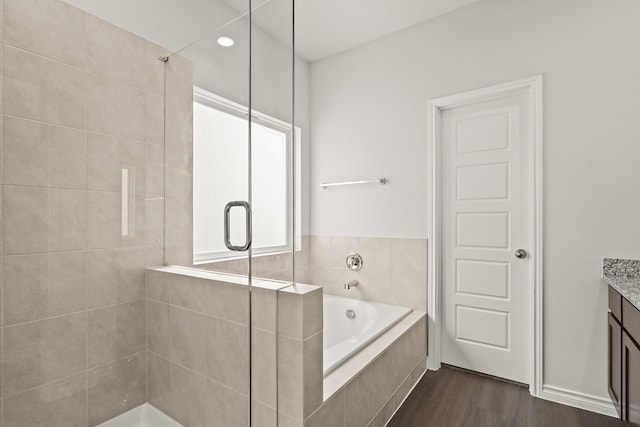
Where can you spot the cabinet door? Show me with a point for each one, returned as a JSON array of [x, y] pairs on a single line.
[[630, 380], [615, 362]]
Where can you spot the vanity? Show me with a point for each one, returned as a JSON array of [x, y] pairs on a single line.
[[623, 280]]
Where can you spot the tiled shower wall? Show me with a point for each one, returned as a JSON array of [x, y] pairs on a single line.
[[394, 271], [198, 359], [81, 100]]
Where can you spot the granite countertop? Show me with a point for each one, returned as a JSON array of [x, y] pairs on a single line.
[[624, 276]]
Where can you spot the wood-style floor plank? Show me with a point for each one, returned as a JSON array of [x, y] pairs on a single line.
[[455, 398]]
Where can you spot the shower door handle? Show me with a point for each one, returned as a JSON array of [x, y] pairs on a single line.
[[227, 226]]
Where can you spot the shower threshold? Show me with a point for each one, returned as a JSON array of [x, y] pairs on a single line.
[[144, 415]]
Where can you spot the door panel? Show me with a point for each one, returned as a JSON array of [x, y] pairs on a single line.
[[482, 278], [483, 230], [483, 182], [485, 176], [487, 327]]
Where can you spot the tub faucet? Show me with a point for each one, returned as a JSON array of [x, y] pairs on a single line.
[[351, 284]]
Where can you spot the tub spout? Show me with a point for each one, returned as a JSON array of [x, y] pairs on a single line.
[[351, 284]]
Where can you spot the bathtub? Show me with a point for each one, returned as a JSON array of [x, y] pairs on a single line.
[[343, 337]]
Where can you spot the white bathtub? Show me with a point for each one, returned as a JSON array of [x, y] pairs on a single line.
[[344, 337]]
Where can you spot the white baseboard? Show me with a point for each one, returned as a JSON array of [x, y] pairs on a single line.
[[578, 400]]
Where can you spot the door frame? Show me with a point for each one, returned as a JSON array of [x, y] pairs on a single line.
[[532, 87]]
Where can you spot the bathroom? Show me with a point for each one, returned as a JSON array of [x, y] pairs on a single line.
[[235, 213]]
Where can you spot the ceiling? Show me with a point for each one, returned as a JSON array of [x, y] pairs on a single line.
[[323, 27], [326, 27]]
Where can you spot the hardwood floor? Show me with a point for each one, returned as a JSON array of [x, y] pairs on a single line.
[[450, 397]]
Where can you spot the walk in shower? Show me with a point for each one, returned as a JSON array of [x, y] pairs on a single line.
[[157, 264], [150, 211]]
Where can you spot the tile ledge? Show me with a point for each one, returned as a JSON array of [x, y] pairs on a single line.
[[231, 279]]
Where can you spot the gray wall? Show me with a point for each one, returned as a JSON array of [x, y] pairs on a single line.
[[369, 112]]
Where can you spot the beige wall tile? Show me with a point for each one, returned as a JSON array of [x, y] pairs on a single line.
[[117, 388], [226, 407], [226, 301], [38, 352], [154, 222], [104, 220], [57, 96], [264, 364], [158, 328], [158, 286], [68, 230], [285, 420], [114, 108], [409, 291], [290, 315], [373, 286], [159, 382], [188, 397], [313, 375], [264, 308], [178, 217], [341, 247], [43, 285], [228, 353], [50, 28], [320, 251], [138, 233], [413, 344], [133, 157], [154, 170], [188, 292], [409, 256], [312, 313], [187, 343], [115, 332], [67, 158], [154, 119], [264, 416], [58, 404], [26, 220], [104, 165], [290, 377], [179, 103], [359, 400], [115, 53], [25, 152], [384, 379], [107, 156], [115, 276], [331, 414], [376, 254], [155, 68]]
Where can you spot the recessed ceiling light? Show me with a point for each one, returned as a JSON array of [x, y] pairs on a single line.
[[225, 41]]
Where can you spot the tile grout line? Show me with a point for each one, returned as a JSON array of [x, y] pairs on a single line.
[[86, 177], [76, 374], [2, 361], [82, 68]]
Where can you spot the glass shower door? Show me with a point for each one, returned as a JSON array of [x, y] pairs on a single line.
[[208, 225], [230, 209]]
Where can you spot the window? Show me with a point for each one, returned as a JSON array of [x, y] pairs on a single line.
[[220, 175]]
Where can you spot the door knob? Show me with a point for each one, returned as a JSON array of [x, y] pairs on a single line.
[[521, 253]]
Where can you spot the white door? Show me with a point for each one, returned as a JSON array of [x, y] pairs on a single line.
[[485, 180]]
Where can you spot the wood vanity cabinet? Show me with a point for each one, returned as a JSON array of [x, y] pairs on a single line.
[[624, 357]]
